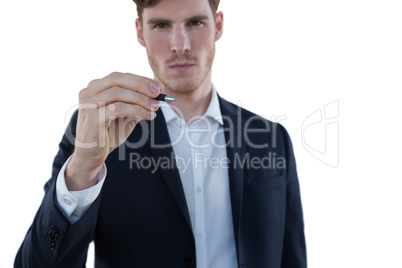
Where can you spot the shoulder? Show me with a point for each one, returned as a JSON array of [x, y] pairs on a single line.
[[249, 120]]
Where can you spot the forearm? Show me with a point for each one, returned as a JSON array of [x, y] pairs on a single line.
[[294, 249], [44, 248]]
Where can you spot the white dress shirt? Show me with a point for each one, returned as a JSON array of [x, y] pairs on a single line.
[[202, 162]]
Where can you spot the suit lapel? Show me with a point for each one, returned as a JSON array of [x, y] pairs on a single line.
[[161, 148], [235, 141]]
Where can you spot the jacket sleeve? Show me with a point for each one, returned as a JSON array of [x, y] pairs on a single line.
[[294, 248], [52, 241]]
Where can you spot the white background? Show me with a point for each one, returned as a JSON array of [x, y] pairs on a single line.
[[280, 59]]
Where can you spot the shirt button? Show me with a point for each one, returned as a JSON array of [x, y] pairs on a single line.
[[67, 201], [199, 236], [199, 189]]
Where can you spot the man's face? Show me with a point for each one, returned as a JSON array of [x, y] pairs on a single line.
[[179, 36]]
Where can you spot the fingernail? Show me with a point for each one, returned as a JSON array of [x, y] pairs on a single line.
[[160, 85], [152, 114], [154, 89], [154, 103]]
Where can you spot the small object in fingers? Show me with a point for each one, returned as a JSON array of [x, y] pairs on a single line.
[[163, 97]]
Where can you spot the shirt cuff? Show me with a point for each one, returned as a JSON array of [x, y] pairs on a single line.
[[75, 203]]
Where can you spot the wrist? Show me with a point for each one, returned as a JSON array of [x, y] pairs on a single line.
[[80, 176]]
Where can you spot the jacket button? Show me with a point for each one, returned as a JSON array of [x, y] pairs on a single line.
[[52, 236], [52, 245], [188, 262]]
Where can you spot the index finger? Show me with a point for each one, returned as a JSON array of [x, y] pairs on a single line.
[[144, 85]]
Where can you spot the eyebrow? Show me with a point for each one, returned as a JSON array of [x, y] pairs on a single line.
[[199, 17], [160, 20]]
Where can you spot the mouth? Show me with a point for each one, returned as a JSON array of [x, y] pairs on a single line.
[[181, 67]]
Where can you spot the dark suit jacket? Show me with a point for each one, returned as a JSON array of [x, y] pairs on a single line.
[[141, 219]]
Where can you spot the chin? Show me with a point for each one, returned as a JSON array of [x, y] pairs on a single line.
[[181, 87]]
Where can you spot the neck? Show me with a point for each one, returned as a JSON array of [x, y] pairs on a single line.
[[194, 104]]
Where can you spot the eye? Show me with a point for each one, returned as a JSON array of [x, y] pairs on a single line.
[[196, 23], [161, 26]]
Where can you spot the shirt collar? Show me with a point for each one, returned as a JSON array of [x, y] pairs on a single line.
[[213, 110]]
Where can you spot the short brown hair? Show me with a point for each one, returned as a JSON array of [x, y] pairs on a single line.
[[141, 4]]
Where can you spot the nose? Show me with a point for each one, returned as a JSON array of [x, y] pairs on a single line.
[[180, 40]]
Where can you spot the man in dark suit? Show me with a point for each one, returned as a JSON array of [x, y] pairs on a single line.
[[198, 183]]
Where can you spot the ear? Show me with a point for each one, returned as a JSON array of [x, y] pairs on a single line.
[[219, 25], [140, 34]]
